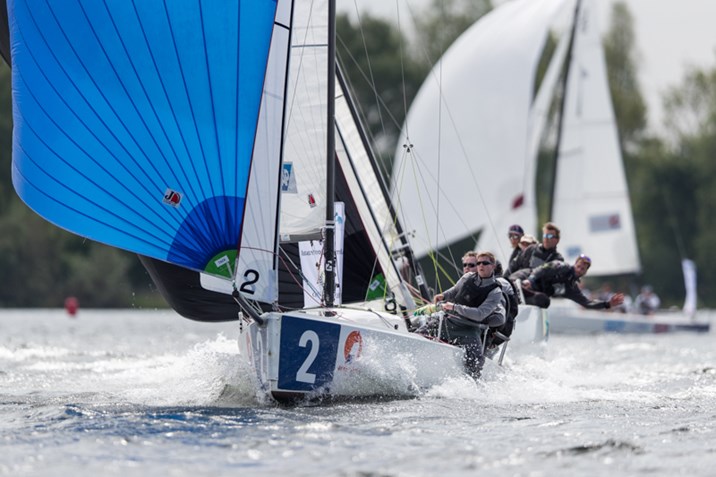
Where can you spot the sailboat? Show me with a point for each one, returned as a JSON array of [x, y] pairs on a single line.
[[493, 117], [212, 140], [591, 200]]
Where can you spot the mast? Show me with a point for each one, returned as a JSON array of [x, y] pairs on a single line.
[[329, 244], [560, 123]]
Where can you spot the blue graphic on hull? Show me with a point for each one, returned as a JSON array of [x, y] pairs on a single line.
[[307, 354]]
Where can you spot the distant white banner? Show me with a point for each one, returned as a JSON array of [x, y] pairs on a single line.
[[689, 269], [311, 252]]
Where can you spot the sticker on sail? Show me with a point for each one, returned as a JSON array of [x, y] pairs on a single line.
[[604, 223], [222, 261], [288, 180], [311, 200], [172, 197]]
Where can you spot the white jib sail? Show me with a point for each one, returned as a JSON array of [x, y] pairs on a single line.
[[591, 202]]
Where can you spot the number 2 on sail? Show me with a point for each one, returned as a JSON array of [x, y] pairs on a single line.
[[251, 276]]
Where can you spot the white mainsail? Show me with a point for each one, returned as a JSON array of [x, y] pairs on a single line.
[[591, 201], [469, 130], [303, 197]]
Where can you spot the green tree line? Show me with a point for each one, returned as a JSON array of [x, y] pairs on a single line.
[[671, 178]]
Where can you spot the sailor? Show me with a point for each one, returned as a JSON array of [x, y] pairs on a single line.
[[561, 279], [510, 302], [647, 302], [514, 234], [538, 254], [474, 303]]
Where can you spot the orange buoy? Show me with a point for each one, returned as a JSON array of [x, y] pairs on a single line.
[[71, 305]]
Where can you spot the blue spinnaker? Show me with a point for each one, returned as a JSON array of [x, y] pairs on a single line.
[[135, 121]]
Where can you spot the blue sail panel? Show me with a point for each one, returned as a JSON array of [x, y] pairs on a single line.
[[135, 121]]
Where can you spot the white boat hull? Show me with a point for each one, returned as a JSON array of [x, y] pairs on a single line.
[[532, 325], [352, 354], [569, 318], [355, 353]]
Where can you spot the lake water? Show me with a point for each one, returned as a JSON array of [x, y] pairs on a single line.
[[139, 393]]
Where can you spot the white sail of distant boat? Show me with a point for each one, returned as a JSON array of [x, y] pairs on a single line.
[[591, 201], [468, 169]]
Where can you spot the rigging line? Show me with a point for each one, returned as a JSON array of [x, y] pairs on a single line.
[[431, 249], [370, 68], [439, 165], [444, 105], [402, 69], [286, 260], [367, 79], [361, 117]]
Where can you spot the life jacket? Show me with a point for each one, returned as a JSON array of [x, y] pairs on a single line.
[[473, 295], [511, 310]]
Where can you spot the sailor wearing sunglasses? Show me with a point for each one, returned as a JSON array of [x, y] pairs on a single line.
[[474, 303], [538, 254]]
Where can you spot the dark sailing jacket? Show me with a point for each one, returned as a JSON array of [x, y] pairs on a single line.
[[532, 257], [513, 263], [478, 301], [559, 279]]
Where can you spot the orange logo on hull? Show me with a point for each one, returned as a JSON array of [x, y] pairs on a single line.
[[353, 346]]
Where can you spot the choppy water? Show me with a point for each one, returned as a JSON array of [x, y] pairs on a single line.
[[137, 393]]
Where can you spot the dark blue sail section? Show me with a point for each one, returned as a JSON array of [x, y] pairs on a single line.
[[135, 120]]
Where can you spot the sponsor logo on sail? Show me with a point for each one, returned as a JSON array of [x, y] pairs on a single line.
[[172, 197], [288, 179]]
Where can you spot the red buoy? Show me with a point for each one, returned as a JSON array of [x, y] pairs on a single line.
[[71, 305]]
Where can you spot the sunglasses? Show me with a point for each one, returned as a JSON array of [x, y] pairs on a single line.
[[484, 263], [514, 236], [469, 265], [551, 236]]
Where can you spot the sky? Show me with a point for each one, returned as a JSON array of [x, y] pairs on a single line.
[[672, 35]]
